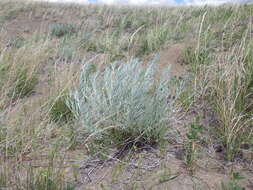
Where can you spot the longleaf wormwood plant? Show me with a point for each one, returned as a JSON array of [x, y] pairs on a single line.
[[124, 103]]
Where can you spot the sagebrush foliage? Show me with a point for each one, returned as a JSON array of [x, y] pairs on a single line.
[[126, 101]]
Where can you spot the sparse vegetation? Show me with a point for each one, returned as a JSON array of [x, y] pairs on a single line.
[[233, 183], [40, 179], [89, 92]]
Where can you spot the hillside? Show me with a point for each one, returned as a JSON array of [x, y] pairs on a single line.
[[125, 97]]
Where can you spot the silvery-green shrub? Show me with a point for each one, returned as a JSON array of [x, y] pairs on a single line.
[[124, 101]]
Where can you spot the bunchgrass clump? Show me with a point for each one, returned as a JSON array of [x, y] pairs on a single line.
[[229, 90], [124, 103], [4, 68], [19, 71], [17, 41], [20, 80], [153, 40], [60, 112], [60, 30], [195, 57], [23, 84]]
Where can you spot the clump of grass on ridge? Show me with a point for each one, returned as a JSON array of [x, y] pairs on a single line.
[[23, 84], [229, 88], [60, 30], [17, 41], [195, 57], [60, 112], [153, 40], [19, 71], [20, 80]]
